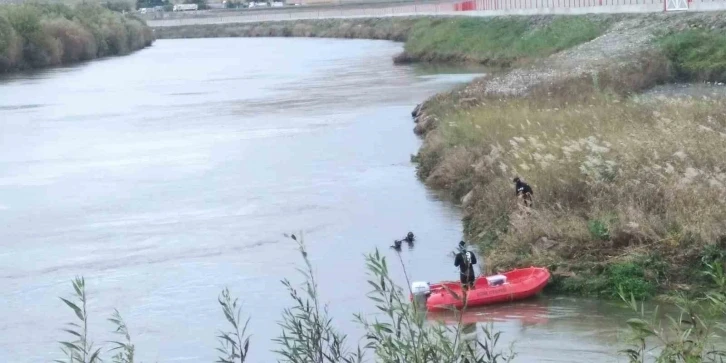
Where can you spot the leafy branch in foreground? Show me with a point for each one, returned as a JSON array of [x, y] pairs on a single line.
[[79, 350], [687, 338], [125, 348], [406, 336], [308, 335], [234, 344]]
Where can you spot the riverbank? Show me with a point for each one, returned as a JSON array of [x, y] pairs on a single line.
[[44, 35], [627, 192], [430, 39]]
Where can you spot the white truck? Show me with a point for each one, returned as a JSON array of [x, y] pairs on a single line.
[[185, 7]]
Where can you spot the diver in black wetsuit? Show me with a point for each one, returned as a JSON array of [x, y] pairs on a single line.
[[465, 261], [409, 237], [523, 189]]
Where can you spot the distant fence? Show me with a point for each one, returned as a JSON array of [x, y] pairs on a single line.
[[466, 7], [300, 14], [586, 6]]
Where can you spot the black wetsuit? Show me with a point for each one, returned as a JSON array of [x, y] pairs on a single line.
[[465, 261], [525, 190]]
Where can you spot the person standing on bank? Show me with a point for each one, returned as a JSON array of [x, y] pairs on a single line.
[[523, 189], [465, 261]]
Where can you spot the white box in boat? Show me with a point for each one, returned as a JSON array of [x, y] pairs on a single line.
[[420, 287], [496, 280]]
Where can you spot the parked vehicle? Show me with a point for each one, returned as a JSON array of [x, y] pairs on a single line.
[[185, 7]]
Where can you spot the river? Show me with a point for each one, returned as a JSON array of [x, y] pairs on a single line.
[[168, 174]]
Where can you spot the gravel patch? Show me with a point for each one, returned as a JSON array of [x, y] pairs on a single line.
[[621, 46]]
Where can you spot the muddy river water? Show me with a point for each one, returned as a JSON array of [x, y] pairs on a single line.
[[168, 174]]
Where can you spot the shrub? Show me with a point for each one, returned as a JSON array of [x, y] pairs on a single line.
[[119, 6], [693, 335], [308, 334], [10, 45], [235, 344], [697, 54], [77, 43], [598, 230], [631, 278], [39, 35]]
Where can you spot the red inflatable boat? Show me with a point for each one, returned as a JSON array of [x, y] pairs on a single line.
[[509, 286]]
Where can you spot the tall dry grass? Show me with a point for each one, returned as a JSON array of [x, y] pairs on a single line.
[[617, 179]]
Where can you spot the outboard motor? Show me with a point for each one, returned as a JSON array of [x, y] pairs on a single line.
[[421, 291]]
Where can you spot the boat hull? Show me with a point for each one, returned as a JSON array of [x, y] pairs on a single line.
[[521, 284]]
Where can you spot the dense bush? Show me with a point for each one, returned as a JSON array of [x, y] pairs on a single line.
[[41, 35], [697, 54]]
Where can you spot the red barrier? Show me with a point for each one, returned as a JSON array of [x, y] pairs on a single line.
[[495, 5], [468, 5]]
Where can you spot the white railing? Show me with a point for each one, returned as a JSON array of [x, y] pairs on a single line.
[[467, 7]]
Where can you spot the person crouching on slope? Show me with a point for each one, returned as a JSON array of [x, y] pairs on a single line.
[[524, 190]]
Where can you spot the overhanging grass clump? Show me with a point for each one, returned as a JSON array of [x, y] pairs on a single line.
[[499, 41], [41, 35], [697, 54]]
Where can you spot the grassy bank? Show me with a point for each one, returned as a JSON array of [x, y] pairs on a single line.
[[499, 41], [372, 28], [627, 191], [697, 54], [42, 35]]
